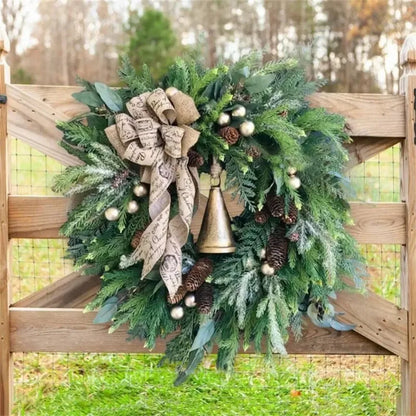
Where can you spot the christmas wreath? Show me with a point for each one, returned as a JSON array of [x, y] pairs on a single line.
[[143, 147]]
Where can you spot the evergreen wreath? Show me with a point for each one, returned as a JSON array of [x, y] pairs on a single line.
[[283, 159]]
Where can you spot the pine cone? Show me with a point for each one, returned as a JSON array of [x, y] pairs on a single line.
[[119, 179], [262, 216], [195, 159], [294, 237], [136, 239], [276, 205], [204, 297], [292, 215], [197, 275], [254, 152], [230, 135], [277, 246], [179, 295]]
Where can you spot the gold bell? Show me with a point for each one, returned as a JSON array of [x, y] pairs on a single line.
[[216, 236]]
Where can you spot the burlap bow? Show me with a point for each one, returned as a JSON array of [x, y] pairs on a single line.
[[149, 138]]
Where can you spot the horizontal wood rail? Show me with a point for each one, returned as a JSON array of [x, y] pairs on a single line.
[[41, 217], [70, 330], [376, 319], [33, 111], [72, 291]]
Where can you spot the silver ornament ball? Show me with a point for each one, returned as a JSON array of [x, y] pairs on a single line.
[[239, 111], [262, 253], [140, 190], [224, 119], [132, 207], [112, 214], [291, 171], [267, 270], [294, 182], [177, 312], [190, 301], [171, 91], [247, 128]]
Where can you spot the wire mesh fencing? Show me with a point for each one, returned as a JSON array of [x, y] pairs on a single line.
[[130, 384]]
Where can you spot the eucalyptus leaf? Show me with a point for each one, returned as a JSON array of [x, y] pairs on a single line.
[[196, 357], [158, 286], [204, 335], [258, 83], [106, 313], [110, 97], [89, 98], [236, 75]]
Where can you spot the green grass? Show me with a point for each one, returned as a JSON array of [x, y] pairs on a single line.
[[132, 385], [118, 385]]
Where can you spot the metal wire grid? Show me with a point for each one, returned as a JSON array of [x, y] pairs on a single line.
[[36, 263]]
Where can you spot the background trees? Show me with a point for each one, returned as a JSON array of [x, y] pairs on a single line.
[[354, 44]]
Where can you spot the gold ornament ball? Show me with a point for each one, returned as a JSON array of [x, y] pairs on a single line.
[[132, 207], [267, 270], [112, 213], [294, 182], [190, 301], [224, 119], [262, 253], [177, 312], [171, 91], [247, 128], [239, 111], [291, 171], [140, 190]]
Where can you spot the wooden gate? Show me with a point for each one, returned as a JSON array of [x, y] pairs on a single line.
[[52, 320]]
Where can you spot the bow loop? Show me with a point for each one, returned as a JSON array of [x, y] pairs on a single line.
[[149, 138]]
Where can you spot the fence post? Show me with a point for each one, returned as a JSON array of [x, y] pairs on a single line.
[[5, 356], [407, 404]]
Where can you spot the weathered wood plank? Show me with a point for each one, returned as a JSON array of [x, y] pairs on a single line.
[[364, 148], [57, 96], [372, 115], [70, 330], [376, 319], [408, 193], [36, 217], [6, 365], [72, 291], [34, 122], [41, 217], [380, 223]]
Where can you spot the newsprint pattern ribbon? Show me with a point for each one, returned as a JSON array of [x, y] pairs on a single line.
[[149, 138]]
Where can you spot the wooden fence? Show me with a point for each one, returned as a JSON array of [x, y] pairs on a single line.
[[52, 320]]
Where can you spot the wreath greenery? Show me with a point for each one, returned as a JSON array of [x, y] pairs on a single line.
[[288, 174]]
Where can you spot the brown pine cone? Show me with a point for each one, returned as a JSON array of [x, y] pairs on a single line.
[[254, 152], [277, 247], [179, 295], [204, 298], [292, 215], [262, 216], [197, 275], [230, 134], [276, 205], [136, 239], [195, 160]]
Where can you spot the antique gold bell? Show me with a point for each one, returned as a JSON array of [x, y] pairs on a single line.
[[216, 236]]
